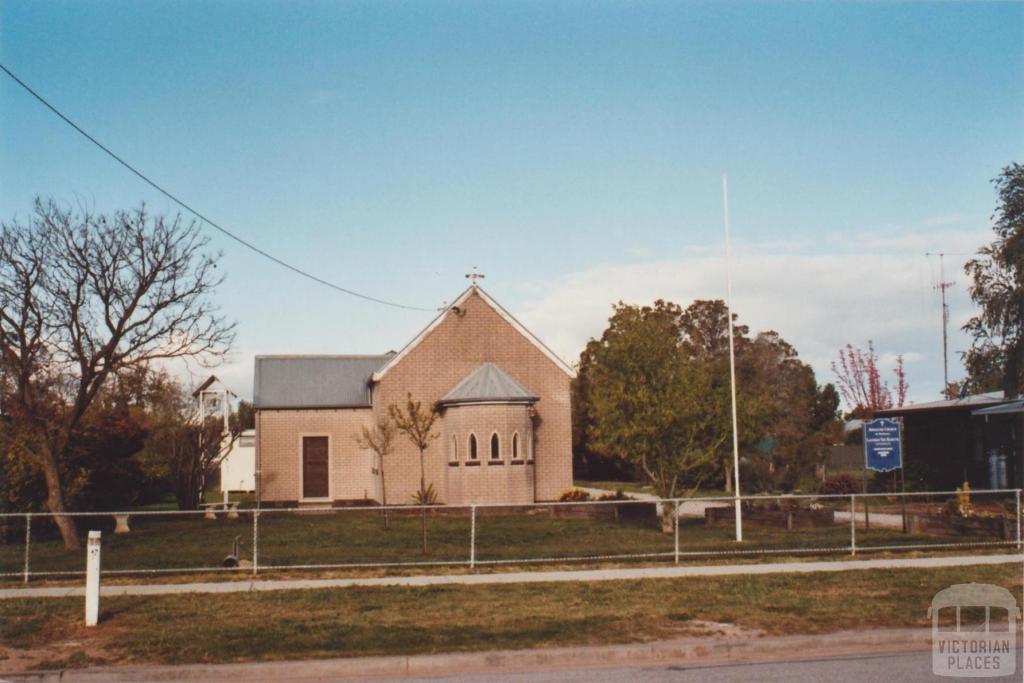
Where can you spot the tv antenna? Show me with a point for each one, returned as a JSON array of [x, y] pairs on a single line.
[[942, 286]]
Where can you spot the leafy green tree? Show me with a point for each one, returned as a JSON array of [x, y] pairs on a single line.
[[704, 334], [785, 420], [243, 417], [101, 469], [796, 420], [588, 461], [997, 273], [179, 448], [652, 404]]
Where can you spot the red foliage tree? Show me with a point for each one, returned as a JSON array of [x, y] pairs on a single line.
[[860, 381]]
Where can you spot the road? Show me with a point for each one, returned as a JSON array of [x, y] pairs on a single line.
[[906, 668]]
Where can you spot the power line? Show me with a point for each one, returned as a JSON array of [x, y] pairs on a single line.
[[196, 213]]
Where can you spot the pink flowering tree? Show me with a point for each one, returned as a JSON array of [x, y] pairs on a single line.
[[860, 381]]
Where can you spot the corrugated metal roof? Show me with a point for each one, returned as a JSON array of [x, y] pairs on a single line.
[[966, 402], [1002, 409], [315, 381], [488, 383]]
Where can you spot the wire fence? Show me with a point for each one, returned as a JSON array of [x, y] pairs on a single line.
[[250, 541]]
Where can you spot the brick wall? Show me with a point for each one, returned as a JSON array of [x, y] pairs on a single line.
[[485, 480], [449, 352], [280, 432]]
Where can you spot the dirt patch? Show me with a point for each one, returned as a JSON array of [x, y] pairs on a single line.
[[65, 654]]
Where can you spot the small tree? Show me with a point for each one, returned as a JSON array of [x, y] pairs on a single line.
[[860, 381], [381, 440], [417, 423], [194, 452]]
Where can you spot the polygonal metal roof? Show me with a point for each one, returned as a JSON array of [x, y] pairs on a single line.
[[488, 384]]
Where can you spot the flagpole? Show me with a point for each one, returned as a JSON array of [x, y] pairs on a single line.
[[732, 360]]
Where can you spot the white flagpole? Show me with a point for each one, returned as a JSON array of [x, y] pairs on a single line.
[[732, 360]]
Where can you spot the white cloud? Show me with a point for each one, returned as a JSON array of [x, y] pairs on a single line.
[[875, 285], [818, 302]]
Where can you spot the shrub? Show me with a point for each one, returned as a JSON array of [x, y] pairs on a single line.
[[840, 484], [574, 496], [618, 495]]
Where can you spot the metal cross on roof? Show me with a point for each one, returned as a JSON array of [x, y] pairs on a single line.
[[474, 276]]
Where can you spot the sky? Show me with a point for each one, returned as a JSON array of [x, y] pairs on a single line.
[[572, 151]]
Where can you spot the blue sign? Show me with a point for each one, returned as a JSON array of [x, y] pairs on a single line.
[[883, 448]]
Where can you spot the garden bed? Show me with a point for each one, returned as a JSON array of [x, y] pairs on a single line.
[[998, 526], [772, 518], [620, 510]]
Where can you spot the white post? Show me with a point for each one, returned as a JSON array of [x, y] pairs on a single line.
[[675, 523], [255, 541], [853, 523], [28, 539], [92, 580], [472, 536], [732, 360], [1018, 520]]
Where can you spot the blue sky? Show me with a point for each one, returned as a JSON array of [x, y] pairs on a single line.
[[572, 151]]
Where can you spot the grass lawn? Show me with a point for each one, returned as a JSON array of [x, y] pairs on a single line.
[[357, 537], [377, 621]]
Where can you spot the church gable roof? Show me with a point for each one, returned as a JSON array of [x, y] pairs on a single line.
[[475, 289], [488, 384]]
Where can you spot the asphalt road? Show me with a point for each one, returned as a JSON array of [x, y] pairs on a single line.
[[905, 668]]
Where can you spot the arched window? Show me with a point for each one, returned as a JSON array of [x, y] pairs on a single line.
[[472, 446], [453, 455], [495, 447], [515, 446]]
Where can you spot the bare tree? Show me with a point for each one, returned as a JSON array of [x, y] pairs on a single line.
[[381, 440], [417, 423], [84, 297]]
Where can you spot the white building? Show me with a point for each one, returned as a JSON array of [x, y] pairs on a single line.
[[238, 468]]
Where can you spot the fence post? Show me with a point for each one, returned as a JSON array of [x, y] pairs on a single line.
[[675, 524], [472, 536], [1018, 520], [255, 541], [92, 579], [28, 540], [853, 523]]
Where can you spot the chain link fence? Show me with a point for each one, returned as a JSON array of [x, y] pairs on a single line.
[[246, 542]]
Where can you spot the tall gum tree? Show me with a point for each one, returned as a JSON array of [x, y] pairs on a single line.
[[996, 358], [84, 297]]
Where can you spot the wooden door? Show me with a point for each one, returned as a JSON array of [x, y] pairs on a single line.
[[315, 470]]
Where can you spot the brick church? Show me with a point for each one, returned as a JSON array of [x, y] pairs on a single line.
[[504, 432]]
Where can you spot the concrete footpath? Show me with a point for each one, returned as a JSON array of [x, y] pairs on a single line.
[[688, 652], [519, 577]]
